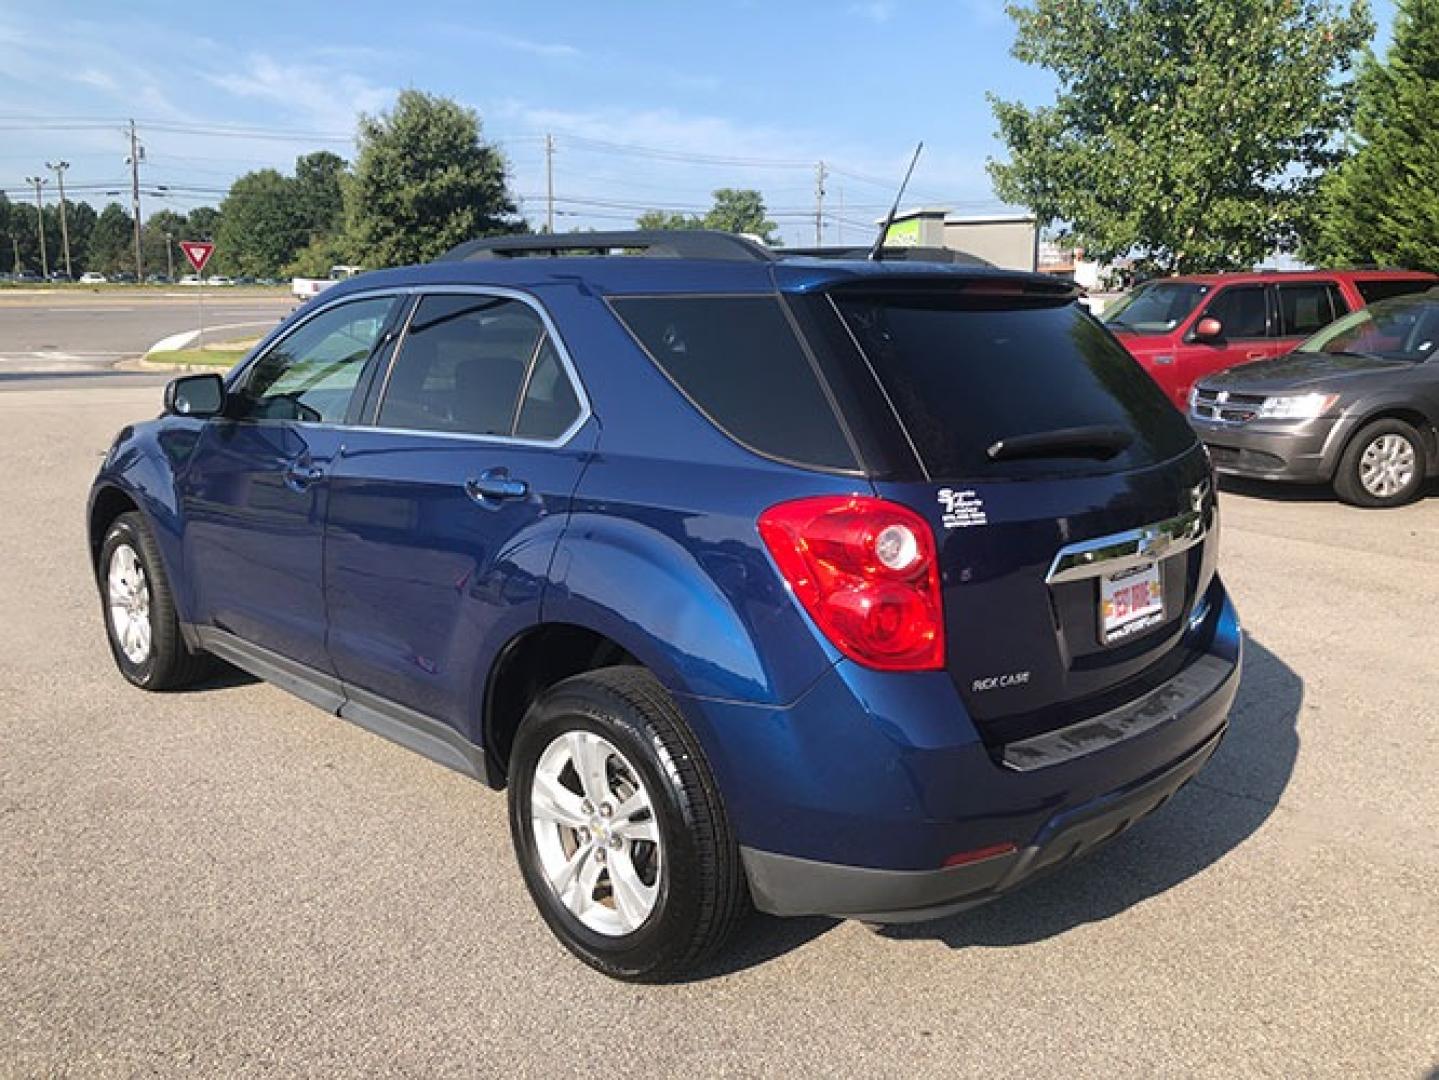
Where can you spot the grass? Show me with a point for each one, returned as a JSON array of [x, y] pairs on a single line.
[[208, 357], [218, 354]]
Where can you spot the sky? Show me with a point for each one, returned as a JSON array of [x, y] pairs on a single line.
[[651, 105]]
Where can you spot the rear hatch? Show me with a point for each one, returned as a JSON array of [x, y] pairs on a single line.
[[1072, 504]]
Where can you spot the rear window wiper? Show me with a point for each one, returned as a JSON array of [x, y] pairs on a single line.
[[1096, 441]]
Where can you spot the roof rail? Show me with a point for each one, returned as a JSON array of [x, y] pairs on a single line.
[[653, 243], [892, 253]]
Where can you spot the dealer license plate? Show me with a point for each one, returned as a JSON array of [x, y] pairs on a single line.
[[1130, 602]]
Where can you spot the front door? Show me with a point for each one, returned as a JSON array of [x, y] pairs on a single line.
[[445, 512], [1243, 312], [255, 492]]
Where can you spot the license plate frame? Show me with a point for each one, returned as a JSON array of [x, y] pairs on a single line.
[[1131, 601]]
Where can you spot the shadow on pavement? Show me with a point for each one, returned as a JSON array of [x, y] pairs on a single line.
[[1214, 814]]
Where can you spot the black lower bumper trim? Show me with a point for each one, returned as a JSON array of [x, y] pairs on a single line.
[[787, 885]]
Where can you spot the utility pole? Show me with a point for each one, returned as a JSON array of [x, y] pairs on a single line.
[[137, 153], [839, 218], [550, 184], [819, 176], [169, 257], [58, 168], [39, 182], [15, 248]]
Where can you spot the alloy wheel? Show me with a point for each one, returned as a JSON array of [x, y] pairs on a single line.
[[1387, 465], [596, 834], [129, 596]]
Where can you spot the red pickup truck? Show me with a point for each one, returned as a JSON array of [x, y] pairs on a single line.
[[1183, 328]]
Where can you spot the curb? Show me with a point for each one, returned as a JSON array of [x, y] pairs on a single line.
[[139, 363]]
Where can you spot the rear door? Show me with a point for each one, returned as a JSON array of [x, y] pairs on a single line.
[[1303, 308], [1069, 570], [1248, 327], [446, 506]]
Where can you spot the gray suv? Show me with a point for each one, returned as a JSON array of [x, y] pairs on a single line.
[[1355, 406]]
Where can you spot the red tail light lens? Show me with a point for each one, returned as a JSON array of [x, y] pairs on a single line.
[[866, 571]]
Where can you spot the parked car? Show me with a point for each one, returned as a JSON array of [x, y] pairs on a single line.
[[1183, 328], [1356, 406], [91, 277], [755, 580], [190, 279], [220, 281]]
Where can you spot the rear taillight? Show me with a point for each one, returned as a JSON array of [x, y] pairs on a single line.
[[866, 571]]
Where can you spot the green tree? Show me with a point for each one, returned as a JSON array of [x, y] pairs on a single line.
[[80, 220], [660, 219], [735, 210], [740, 210], [424, 181], [319, 194], [260, 225], [112, 242], [1381, 205], [203, 223], [160, 252], [1187, 132]]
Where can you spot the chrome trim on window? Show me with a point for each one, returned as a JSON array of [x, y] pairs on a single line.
[[581, 395], [1135, 547]]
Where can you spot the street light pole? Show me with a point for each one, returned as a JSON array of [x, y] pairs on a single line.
[[39, 182], [58, 168]]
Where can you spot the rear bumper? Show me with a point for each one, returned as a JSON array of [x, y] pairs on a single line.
[[1306, 452], [785, 885], [885, 849]]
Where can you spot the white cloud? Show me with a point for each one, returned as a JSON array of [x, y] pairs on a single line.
[[324, 96], [877, 11], [552, 50]]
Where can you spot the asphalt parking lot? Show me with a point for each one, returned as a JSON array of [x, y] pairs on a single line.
[[229, 882]]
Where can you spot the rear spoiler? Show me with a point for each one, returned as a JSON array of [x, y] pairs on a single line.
[[1019, 284]]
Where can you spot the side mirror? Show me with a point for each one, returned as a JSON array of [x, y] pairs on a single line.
[[1208, 329], [195, 395]]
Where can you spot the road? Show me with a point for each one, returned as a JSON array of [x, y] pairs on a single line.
[[82, 332], [230, 882]]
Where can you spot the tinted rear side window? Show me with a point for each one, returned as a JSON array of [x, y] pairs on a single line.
[[1374, 291], [1305, 308], [964, 374], [739, 361]]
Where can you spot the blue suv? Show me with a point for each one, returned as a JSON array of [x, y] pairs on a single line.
[[868, 589]]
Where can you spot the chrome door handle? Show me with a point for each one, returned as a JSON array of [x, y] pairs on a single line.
[[300, 476], [492, 487]]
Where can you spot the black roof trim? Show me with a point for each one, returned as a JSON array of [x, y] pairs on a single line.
[[889, 254], [656, 243]]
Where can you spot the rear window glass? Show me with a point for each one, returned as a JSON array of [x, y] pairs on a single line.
[[738, 360], [964, 374], [1382, 289]]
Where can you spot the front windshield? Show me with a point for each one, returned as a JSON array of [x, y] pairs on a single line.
[[1155, 308], [1404, 328]]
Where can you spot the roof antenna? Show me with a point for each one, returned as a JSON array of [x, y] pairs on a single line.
[[876, 253]]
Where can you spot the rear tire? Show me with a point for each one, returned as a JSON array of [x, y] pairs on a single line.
[[139, 610], [1384, 465], [646, 893]]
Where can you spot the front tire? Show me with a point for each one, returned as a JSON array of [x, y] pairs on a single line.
[[619, 828], [139, 610], [1384, 465]]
